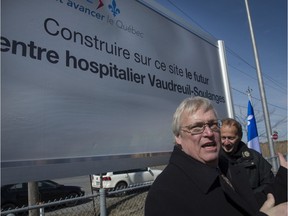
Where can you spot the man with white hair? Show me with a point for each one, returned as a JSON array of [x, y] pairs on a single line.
[[199, 182]]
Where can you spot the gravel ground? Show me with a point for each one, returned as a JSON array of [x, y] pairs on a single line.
[[128, 205]]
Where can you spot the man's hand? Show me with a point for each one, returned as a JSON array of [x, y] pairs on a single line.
[[271, 210], [282, 160]]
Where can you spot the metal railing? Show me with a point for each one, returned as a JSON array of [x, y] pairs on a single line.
[[270, 159]]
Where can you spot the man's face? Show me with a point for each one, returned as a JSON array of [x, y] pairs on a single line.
[[229, 137], [205, 146]]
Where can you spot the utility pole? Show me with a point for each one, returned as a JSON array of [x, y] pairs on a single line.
[[262, 93]]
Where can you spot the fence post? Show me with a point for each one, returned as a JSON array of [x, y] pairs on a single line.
[[102, 202], [41, 211], [94, 204]]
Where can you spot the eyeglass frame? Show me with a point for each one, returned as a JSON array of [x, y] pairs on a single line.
[[208, 124]]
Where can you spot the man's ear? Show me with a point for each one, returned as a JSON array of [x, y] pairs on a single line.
[[178, 139]]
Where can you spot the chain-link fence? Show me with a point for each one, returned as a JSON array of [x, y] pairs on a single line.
[[116, 202], [128, 201]]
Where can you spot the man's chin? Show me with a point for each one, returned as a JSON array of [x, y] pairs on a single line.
[[228, 150]]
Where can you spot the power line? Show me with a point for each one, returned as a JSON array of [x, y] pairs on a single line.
[[245, 107], [258, 99], [280, 90], [228, 49], [265, 75]]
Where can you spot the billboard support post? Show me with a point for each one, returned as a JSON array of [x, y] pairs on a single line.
[[226, 81]]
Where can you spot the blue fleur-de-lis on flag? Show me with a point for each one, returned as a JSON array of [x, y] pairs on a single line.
[[113, 8]]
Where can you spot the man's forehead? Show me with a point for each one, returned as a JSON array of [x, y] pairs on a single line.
[[229, 129], [199, 116]]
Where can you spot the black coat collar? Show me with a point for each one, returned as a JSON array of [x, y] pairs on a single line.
[[206, 175]]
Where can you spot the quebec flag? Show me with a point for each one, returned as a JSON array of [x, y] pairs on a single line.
[[252, 134]]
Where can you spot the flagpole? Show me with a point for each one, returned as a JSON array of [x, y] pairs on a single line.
[[249, 94], [262, 93]]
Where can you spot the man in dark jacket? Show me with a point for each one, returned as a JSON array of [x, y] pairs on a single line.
[[237, 152], [197, 182]]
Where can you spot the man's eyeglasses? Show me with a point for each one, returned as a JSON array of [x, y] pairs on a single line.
[[199, 127]]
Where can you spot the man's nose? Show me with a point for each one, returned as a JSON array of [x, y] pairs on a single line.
[[208, 130], [225, 141]]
